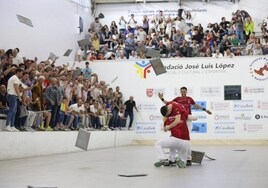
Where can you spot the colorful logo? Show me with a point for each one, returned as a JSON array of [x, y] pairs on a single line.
[[143, 68], [149, 92], [259, 69]]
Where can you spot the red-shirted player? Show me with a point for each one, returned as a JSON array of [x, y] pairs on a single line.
[[175, 115], [187, 102]]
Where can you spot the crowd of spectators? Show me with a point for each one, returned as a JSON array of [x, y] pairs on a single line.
[[174, 37], [40, 96]]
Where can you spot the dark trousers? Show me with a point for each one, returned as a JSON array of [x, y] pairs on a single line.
[[131, 117]]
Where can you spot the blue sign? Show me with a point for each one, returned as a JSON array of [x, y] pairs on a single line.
[[199, 128]]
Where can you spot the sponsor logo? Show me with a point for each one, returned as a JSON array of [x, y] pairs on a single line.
[[221, 117], [149, 92], [199, 128], [155, 118], [147, 107], [200, 116], [259, 69], [253, 90], [224, 127], [210, 92], [252, 127], [203, 104], [220, 106], [243, 105], [145, 127], [262, 105], [242, 116], [260, 116], [143, 68]]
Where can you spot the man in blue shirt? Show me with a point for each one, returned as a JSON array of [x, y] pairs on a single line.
[[87, 71]]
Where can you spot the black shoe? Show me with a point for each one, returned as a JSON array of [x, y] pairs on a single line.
[[189, 163], [21, 129], [169, 163]]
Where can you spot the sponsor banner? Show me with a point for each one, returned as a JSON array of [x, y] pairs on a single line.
[[224, 127], [222, 117], [246, 105], [251, 127], [242, 116], [253, 90], [220, 106], [210, 92], [199, 128], [147, 107], [145, 127], [261, 116], [203, 104], [262, 105]]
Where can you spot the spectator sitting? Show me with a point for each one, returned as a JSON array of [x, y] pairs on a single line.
[[218, 54], [257, 50], [228, 53]]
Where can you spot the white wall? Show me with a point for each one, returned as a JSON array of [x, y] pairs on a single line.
[[244, 119], [202, 12], [55, 27]]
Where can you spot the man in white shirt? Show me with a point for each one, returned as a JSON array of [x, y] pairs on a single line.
[[13, 93], [218, 54], [78, 110], [17, 60]]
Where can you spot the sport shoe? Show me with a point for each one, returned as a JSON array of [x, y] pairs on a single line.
[[169, 163], [188, 163], [48, 128], [160, 163], [181, 163], [13, 129], [7, 128]]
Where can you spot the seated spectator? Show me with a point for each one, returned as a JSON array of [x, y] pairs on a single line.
[[217, 54], [133, 55], [265, 46], [257, 50], [228, 53], [3, 100]]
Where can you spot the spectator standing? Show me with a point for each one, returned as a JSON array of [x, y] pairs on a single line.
[[53, 98], [13, 94], [132, 23], [129, 105], [87, 71], [96, 26]]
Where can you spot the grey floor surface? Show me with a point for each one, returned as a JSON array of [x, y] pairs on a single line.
[[100, 169]]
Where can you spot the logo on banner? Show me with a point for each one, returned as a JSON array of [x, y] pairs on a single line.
[[145, 127], [149, 92], [261, 116], [199, 127], [210, 92], [246, 105], [259, 69], [203, 104], [253, 90], [224, 127], [143, 68]]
